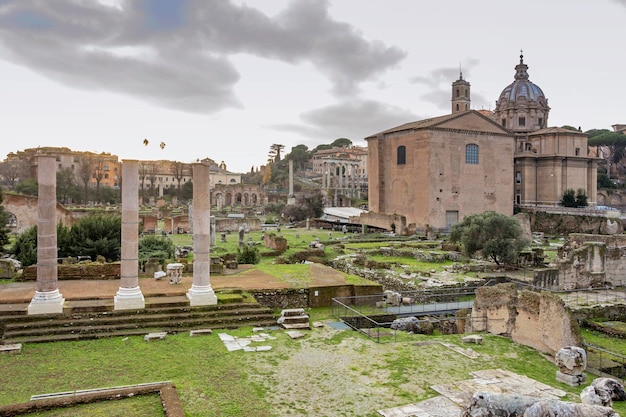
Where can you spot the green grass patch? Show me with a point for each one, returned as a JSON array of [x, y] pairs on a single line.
[[296, 275], [214, 382]]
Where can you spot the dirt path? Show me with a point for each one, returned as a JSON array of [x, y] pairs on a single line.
[[246, 277]]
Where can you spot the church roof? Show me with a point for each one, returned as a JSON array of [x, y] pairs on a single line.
[[438, 122], [554, 130]]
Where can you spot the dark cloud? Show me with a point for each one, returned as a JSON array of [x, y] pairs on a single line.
[[353, 119], [439, 81], [176, 54]]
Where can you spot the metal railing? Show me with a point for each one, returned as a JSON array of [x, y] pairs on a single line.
[[373, 315], [603, 362]]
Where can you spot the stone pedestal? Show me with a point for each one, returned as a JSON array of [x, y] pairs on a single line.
[[46, 302], [572, 380], [201, 293], [129, 299]]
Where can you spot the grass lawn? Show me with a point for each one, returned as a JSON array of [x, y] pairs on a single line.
[[343, 372]]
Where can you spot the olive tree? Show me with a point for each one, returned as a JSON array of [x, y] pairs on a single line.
[[496, 236]]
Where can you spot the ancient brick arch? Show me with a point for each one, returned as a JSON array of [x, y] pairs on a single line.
[[24, 210]]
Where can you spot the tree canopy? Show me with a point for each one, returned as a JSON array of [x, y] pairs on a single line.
[[496, 236], [93, 235], [341, 143], [615, 142]]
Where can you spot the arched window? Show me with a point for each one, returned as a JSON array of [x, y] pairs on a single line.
[[401, 157], [457, 106], [471, 154]]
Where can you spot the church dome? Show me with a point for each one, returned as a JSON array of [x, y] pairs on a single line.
[[522, 88], [522, 105]]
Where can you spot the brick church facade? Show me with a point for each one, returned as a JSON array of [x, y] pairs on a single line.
[[437, 171]]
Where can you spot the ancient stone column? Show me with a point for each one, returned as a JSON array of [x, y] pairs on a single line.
[[201, 292], [291, 199], [47, 299], [213, 230], [129, 294]]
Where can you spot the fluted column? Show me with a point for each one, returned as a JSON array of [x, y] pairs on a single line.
[[47, 298], [201, 292], [129, 294]]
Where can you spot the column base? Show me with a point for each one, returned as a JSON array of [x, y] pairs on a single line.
[[129, 299], [201, 295], [46, 302]]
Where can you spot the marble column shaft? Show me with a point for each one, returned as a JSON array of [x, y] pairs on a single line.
[[201, 225], [47, 250], [201, 292], [129, 294], [129, 267], [47, 298]]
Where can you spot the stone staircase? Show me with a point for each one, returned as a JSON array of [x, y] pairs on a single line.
[[93, 319], [294, 318]]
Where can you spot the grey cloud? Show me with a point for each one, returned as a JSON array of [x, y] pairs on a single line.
[[622, 2], [354, 119], [186, 63]]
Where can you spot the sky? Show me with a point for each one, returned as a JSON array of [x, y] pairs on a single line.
[[227, 79]]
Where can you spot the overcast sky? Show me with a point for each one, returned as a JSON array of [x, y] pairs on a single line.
[[226, 79]]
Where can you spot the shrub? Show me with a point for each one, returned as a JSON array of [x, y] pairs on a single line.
[[248, 255], [157, 247]]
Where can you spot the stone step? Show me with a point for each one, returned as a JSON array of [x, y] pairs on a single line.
[[140, 331], [115, 319], [296, 325], [97, 327], [87, 320]]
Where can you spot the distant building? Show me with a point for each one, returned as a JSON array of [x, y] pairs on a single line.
[[104, 169], [343, 171], [619, 128]]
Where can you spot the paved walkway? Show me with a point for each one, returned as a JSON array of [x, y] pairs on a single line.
[[245, 277]]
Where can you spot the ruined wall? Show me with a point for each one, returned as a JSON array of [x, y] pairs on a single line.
[[24, 208], [592, 260], [275, 242], [232, 225], [78, 271], [381, 220], [539, 320], [566, 223]]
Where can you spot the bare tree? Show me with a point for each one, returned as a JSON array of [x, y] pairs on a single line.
[[13, 171], [98, 173], [144, 168], [179, 170], [85, 171], [152, 176]]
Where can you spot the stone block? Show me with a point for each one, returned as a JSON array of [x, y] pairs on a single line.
[[571, 380], [200, 332], [12, 348], [155, 336], [473, 338]]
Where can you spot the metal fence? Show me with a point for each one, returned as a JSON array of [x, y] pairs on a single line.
[[373, 315], [603, 362]]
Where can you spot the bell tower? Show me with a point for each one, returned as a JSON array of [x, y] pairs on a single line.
[[460, 95]]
